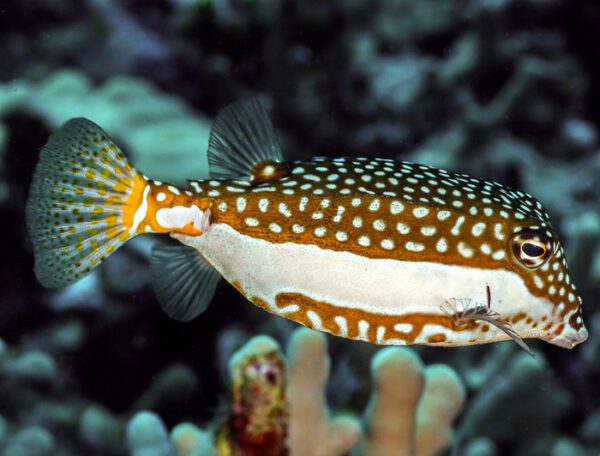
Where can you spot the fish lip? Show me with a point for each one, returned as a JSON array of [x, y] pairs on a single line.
[[569, 338]]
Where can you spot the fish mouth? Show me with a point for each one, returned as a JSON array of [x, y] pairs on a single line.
[[569, 337]]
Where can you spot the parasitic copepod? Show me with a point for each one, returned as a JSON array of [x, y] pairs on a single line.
[[363, 248]]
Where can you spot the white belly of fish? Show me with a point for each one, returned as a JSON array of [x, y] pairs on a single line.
[[347, 280]]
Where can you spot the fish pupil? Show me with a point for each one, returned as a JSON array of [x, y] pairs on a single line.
[[532, 250]]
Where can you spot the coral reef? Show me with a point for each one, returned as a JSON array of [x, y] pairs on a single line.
[[162, 134], [280, 408]]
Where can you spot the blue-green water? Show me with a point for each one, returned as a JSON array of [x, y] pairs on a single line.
[[506, 90]]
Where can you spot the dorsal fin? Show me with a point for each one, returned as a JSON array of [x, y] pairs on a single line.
[[242, 141], [183, 281]]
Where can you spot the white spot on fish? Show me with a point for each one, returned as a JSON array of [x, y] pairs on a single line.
[[428, 230], [374, 206], [402, 228], [465, 250], [338, 215], [341, 236], [315, 320], [363, 330], [379, 225], [364, 241], [420, 212], [263, 204], [284, 210], [498, 255], [312, 177], [342, 325], [443, 215], [478, 229], [380, 335], [441, 245], [403, 327], [396, 207], [241, 204], [414, 246], [387, 244], [456, 228], [302, 204], [498, 231], [180, 216]]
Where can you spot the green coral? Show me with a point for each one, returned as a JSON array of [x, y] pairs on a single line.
[[166, 139]]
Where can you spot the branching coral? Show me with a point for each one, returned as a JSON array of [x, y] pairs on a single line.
[[312, 431], [412, 408], [281, 409]]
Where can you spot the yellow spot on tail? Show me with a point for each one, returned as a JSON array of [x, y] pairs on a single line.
[[112, 220], [112, 232], [114, 200]]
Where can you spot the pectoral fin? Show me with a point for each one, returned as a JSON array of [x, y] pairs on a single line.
[[183, 280]]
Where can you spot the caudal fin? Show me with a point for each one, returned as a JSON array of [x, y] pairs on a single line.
[[82, 202]]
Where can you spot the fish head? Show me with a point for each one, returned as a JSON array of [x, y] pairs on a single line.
[[537, 255]]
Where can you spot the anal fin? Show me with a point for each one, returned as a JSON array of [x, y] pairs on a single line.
[[184, 282]]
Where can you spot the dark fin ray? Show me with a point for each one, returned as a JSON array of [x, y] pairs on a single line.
[[241, 138], [183, 281]]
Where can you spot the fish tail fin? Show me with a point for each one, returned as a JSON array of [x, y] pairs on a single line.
[[82, 204]]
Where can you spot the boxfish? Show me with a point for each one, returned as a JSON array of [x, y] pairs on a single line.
[[372, 249]]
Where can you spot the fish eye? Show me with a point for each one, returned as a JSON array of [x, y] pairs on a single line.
[[531, 248]]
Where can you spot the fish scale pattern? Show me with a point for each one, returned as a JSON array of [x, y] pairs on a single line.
[[381, 208]]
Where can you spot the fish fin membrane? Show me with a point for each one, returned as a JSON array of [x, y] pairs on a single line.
[[241, 138], [82, 197], [184, 282]]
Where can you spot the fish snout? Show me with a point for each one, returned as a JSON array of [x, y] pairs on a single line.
[[569, 337]]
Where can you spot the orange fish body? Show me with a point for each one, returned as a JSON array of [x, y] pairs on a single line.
[[371, 249]]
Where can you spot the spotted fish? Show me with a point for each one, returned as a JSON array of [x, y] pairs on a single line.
[[372, 249]]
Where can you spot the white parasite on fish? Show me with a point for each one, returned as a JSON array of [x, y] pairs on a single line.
[[465, 311]]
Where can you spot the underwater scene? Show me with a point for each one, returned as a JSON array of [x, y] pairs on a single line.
[[300, 227]]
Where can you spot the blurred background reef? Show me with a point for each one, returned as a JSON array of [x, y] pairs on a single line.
[[507, 90]]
